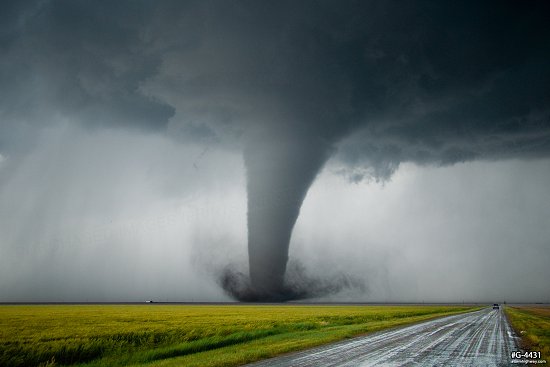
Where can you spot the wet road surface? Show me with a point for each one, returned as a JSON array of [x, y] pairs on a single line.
[[481, 338]]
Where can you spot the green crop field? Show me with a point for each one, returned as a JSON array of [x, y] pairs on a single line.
[[185, 335], [533, 325]]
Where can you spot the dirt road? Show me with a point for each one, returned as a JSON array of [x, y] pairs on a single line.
[[481, 338]]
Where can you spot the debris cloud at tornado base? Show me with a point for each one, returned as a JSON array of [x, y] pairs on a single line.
[[298, 284]]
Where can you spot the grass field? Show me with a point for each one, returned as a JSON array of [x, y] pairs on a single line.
[[533, 325], [184, 335]]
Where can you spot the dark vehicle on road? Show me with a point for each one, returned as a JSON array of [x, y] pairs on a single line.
[[495, 306]]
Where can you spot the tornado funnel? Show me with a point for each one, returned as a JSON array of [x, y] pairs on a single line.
[[279, 174]]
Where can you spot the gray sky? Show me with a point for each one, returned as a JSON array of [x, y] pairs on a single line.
[[417, 136]]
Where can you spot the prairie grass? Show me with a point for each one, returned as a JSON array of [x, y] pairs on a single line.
[[532, 324], [184, 335]]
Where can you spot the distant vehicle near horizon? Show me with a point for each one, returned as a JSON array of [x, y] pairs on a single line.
[[149, 301], [496, 306]]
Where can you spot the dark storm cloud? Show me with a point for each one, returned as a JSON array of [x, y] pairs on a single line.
[[80, 61], [384, 82], [426, 81]]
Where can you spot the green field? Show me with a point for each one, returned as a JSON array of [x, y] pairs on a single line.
[[185, 335], [533, 325]]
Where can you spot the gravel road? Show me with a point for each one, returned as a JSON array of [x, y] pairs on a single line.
[[481, 338]]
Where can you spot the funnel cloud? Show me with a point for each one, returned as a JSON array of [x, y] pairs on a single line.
[[366, 85], [279, 173]]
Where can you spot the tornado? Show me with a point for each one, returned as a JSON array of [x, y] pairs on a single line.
[[279, 174]]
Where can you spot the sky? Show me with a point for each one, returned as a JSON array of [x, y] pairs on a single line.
[[212, 151]]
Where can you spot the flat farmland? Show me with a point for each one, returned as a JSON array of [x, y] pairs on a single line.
[[532, 324], [186, 335]]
